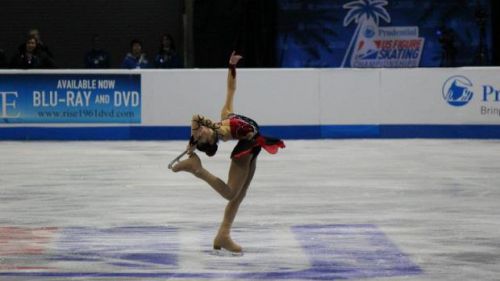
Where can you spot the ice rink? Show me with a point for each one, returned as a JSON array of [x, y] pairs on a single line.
[[318, 210]]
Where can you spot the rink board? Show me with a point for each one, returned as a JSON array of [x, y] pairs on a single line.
[[285, 132], [289, 103]]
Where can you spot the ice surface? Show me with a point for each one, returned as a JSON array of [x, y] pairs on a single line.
[[323, 210]]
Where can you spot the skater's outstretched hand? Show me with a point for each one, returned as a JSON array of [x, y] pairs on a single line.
[[234, 59]]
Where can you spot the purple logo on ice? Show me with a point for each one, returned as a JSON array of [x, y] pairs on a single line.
[[457, 91]]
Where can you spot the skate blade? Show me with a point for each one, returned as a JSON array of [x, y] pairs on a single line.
[[225, 253]]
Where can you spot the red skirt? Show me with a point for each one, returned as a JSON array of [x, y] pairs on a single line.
[[254, 146]]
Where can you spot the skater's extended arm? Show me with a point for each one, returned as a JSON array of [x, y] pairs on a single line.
[[231, 85]]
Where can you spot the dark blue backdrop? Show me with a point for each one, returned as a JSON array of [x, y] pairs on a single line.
[[312, 33]]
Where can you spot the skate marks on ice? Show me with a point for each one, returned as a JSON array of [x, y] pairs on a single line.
[[320, 252], [436, 200]]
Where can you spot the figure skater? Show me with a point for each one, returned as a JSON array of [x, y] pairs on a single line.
[[205, 135]]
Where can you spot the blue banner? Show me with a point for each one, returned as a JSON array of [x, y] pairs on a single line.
[[383, 33], [70, 98]]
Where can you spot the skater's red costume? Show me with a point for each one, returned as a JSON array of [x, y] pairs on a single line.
[[241, 128]]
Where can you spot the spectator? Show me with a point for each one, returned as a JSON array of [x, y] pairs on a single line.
[[97, 57], [32, 56], [41, 46], [167, 56], [3, 59], [136, 58]]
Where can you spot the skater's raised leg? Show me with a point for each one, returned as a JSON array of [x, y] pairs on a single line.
[[237, 175]]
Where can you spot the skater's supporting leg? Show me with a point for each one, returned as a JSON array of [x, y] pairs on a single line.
[[223, 238]]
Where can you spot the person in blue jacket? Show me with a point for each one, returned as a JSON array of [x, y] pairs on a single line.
[[167, 56], [97, 57], [136, 58]]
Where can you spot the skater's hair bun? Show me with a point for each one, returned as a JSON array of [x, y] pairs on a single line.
[[209, 149]]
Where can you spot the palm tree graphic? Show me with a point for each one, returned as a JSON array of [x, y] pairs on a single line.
[[365, 13]]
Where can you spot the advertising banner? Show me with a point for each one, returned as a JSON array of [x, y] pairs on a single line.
[[440, 96], [70, 98], [383, 33]]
